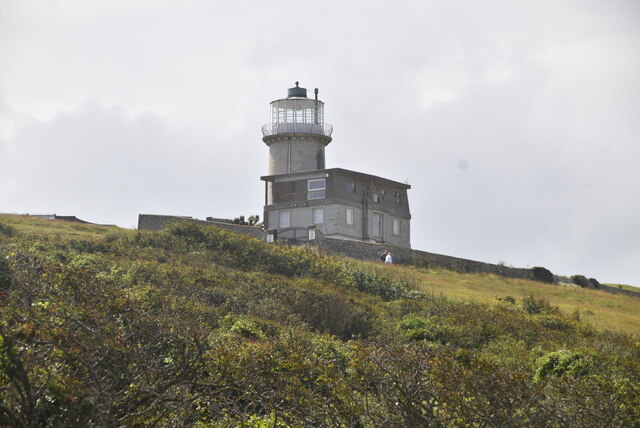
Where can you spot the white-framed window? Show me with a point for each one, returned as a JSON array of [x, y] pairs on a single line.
[[350, 216], [376, 198], [318, 215], [377, 225], [317, 184], [396, 226], [316, 195], [284, 219]]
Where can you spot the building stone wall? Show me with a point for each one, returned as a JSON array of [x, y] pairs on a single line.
[[341, 228], [364, 193]]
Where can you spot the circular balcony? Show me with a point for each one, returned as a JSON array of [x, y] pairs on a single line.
[[297, 128]]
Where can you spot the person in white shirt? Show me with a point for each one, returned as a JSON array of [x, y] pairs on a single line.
[[388, 259]]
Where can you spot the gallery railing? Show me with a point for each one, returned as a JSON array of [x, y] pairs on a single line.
[[297, 128]]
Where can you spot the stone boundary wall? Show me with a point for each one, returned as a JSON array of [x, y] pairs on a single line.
[[372, 251], [400, 255], [615, 290], [155, 222]]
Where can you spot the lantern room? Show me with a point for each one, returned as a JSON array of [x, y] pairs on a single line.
[[297, 114]]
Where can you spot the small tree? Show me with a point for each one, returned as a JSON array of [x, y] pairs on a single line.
[[254, 220]]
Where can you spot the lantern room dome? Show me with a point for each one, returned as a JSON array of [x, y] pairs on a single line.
[[297, 92]]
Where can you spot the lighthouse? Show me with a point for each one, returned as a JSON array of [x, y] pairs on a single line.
[[297, 134], [303, 196]]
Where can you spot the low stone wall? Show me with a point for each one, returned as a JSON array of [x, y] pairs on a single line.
[[155, 222], [615, 290], [400, 255]]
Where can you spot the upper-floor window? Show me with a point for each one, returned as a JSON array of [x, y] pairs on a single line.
[[350, 186], [317, 184], [316, 195], [376, 198]]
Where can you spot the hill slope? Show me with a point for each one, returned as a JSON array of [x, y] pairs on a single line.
[[195, 326]]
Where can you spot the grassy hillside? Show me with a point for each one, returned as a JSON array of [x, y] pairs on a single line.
[[195, 326], [601, 309]]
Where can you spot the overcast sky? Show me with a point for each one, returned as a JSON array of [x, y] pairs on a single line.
[[517, 123]]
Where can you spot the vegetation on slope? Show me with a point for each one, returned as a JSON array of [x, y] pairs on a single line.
[[196, 326]]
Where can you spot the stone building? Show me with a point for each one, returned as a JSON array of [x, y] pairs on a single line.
[[301, 195]]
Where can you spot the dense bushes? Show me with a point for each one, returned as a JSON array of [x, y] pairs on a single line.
[[581, 281], [199, 327], [542, 274]]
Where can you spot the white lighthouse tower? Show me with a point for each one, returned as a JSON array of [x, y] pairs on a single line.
[[297, 134]]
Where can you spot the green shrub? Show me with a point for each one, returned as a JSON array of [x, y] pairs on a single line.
[[594, 283], [542, 274], [376, 283], [414, 328], [5, 272], [507, 299], [6, 230], [243, 326], [561, 363], [536, 305], [554, 322], [581, 281]]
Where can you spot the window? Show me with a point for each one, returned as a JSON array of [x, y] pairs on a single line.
[[350, 216], [376, 198], [315, 184], [318, 215], [396, 226], [283, 219], [315, 195], [350, 186], [377, 224]]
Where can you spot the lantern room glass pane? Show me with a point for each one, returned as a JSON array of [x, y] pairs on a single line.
[[296, 110]]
